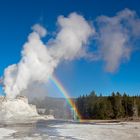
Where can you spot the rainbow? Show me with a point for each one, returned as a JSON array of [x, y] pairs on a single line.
[[61, 88]]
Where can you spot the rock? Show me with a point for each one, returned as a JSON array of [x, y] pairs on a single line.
[[18, 108]]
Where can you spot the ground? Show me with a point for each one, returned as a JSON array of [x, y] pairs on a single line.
[[64, 130]]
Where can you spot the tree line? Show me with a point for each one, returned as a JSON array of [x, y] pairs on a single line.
[[116, 106]]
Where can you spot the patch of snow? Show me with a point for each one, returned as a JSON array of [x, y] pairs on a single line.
[[5, 133], [49, 117], [108, 131]]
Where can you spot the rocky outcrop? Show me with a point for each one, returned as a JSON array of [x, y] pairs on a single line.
[[17, 108]]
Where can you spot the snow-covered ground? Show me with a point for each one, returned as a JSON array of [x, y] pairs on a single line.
[[5, 132], [59, 130], [106, 131]]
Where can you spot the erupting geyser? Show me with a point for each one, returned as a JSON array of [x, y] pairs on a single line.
[[40, 59]]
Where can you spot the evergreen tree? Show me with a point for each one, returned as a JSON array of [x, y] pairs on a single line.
[[112, 107]]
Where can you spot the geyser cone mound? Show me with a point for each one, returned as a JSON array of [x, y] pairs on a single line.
[[17, 108]]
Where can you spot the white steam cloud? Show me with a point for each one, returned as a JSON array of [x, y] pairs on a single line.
[[39, 61], [116, 37], [40, 30], [69, 42]]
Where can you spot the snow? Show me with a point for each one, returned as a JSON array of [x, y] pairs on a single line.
[[49, 117], [5, 133], [71, 131], [122, 131]]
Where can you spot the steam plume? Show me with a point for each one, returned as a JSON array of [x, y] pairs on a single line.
[[39, 61], [116, 36]]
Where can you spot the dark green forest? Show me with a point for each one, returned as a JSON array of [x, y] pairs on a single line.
[[115, 106]]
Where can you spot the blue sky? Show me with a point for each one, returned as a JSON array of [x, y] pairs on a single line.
[[79, 76]]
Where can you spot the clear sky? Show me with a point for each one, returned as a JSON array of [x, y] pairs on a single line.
[[79, 76]]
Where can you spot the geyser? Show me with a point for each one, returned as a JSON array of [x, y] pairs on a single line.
[[39, 61], [15, 109]]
